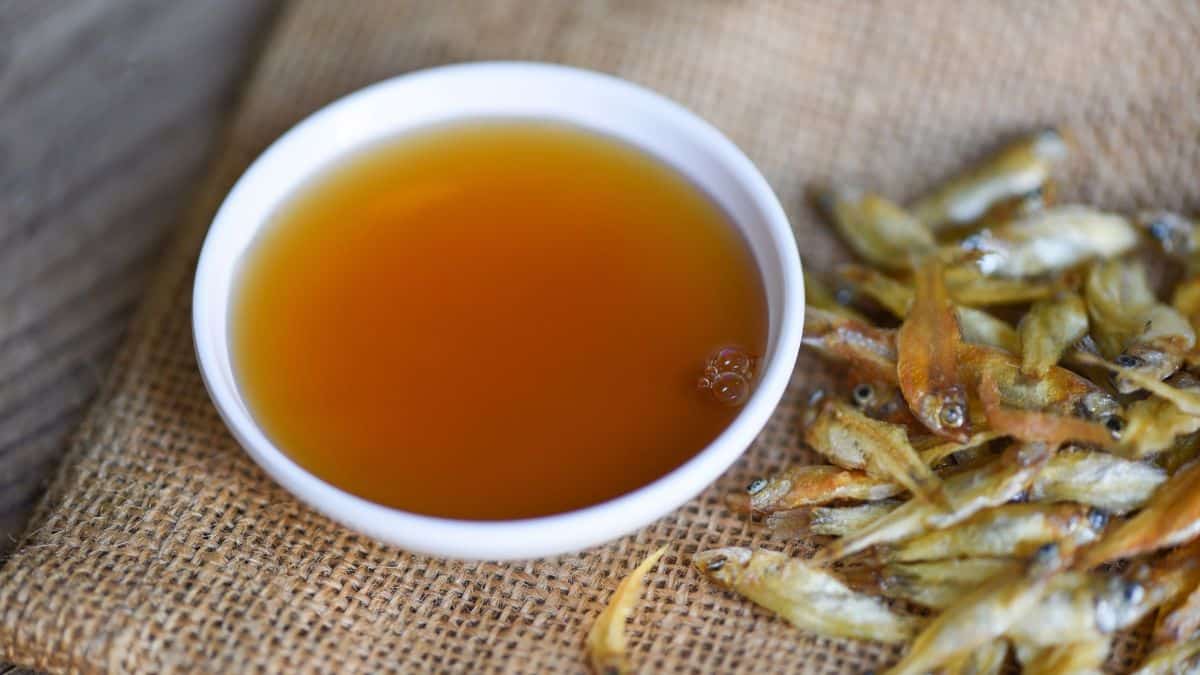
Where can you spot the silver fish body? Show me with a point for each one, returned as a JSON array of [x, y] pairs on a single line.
[[1098, 479], [1018, 169], [1049, 241], [810, 598]]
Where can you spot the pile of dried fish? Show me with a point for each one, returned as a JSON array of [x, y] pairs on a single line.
[[1012, 446]]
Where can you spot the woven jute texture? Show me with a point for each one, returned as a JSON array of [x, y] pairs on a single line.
[[162, 548]]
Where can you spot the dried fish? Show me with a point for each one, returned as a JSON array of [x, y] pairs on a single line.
[[1097, 479], [869, 351], [1019, 169], [983, 615], [878, 230], [1178, 577], [818, 294], [1170, 517], [1096, 392], [1177, 659], [1003, 212], [1131, 326], [1083, 607], [1010, 530], [852, 440], [1071, 658], [808, 597], [1160, 348], [1118, 293], [1035, 425], [1049, 329], [1184, 398], [811, 484], [1044, 242], [893, 295], [940, 583], [995, 483], [606, 641], [927, 357], [1152, 424], [1057, 391], [834, 521], [978, 327], [968, 286], [988, 659]]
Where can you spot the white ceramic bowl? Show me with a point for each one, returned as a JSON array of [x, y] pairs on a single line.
[[522, 90]]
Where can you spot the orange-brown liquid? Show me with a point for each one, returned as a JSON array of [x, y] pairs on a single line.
[[493, 320]]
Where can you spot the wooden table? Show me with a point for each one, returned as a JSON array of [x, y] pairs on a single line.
[[109, 110]]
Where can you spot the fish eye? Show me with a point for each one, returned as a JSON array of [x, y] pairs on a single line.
[[1045, 553], [1115, 426], [1097, 518], [1128, 361], [1160, 230], [863, 393], [843, 296], [715, 564], [756, 486], [952, 415], [1133, 592]]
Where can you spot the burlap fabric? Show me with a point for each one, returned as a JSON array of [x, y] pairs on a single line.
[[162, 548]]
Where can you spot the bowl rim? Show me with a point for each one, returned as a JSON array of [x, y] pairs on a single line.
[[505, 539]]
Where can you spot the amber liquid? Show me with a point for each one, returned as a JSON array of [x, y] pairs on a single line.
[[493, 320]]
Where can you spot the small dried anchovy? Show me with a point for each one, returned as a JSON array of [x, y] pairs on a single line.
[[982, 615], [1048, 241], [1017, 170], [1009, 530], [809, 485], [878, 230], [999, 481], [810, 598], [606, 641], [1017, 446], [1097, 479], [852, 440], [1049, 329], [927, 348]]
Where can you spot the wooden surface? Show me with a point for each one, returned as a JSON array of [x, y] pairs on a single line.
[[108, 111]]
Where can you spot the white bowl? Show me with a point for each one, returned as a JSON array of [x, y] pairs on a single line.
[[509, 90]]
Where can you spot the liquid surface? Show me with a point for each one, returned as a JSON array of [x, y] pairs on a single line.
[[493, 321]]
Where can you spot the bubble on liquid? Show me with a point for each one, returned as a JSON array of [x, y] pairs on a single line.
[[727, 375], [732, 360], [731, 389]]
